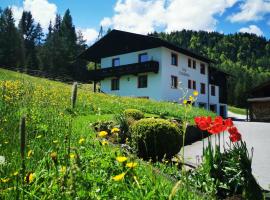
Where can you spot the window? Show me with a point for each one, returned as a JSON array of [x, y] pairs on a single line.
[[115, 84], [202, 88], [213, 91], [142, 81], [202, 68], [174, 59], [143, 57], [189, 62], [194, 64], [115, 62], [174, 82], [202, 105], [189, 84], [194, 85]]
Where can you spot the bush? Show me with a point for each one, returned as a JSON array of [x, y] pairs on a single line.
[[156, 138], [134, 113]]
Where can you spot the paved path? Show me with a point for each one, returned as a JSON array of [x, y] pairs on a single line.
[[256, 135]]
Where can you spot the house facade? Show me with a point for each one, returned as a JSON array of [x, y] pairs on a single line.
[[148, 67]]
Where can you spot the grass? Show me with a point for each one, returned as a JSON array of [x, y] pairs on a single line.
[[236, 110], [64, 157]]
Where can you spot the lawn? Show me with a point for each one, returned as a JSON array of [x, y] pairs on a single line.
[[236, 110], [64, 157]]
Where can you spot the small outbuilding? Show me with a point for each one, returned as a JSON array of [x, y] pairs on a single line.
[[259, 103]]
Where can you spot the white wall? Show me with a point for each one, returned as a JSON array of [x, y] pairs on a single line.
[[128, 84], [159, 85]]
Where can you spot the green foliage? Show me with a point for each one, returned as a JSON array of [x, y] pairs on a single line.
[[227, 174], [244, 56], [156, 138], [134, 113], [236, 110]]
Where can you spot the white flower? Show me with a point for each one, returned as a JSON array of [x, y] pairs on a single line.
[[2, 160]]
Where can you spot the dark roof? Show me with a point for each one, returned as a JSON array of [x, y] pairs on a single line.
[[262, 90], [119, 42]]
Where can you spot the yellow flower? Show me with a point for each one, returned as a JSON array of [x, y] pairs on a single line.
[[121, 159], [81, 141], [15, 173], [104, 142], [54, 156], [39, 136], [131, 164], [72, 155], [115, 130], [63, 169], [30, 153], [5, 180], [102, 134], [191, 98], [185, 101], [195, 93], [29, 177], [119, 177]]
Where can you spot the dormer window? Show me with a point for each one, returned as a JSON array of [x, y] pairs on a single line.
[[143, 57], [115, 62], [174, 59], [189, 62], [194, 64]]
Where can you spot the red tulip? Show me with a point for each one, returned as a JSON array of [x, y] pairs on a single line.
[[228, 122], [235, 137], [197, 120], [218, 120], [233, 130], [216, 128]]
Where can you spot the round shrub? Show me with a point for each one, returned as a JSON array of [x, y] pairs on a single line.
[[156, 138], [134, 113]]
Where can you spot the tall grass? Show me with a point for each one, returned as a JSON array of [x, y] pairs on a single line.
[[63, 157]]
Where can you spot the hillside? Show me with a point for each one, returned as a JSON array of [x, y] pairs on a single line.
[[245, 56], [64, 156]]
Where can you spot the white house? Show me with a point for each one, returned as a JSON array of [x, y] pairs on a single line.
[[148, 67]]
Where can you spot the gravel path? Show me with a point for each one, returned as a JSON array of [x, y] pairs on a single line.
[[256, 135]]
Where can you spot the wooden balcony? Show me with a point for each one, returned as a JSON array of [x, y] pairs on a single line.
[[130, 69]]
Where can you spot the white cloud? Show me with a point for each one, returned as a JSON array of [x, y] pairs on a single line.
[[251, 10], [89, 34], [252, 29], [42, 11], [143, 16]]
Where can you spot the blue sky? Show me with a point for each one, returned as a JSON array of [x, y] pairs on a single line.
[[143, 16]]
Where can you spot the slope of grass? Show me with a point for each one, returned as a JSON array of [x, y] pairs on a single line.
[[236, 110], [64, 157]]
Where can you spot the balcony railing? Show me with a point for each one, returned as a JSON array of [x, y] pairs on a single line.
[[136, 68]]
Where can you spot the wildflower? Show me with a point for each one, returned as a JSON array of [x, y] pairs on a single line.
[[29, 177], [63, 169], [102, 134], [39, 136], [29, 153], [185, 101], [81, 141], [195, 93], [54, 156], [104, 142], [15, 173], [2, 160], [115, 130], [119, 177], [131, 164], [5, 180], [121, 159], [72, 155], [191, 98]]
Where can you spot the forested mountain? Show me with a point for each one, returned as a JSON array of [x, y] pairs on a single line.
[[27, 47], [245, 56]]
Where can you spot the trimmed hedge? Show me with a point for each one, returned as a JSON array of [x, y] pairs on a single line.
[[134, 113], [156, 138]]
